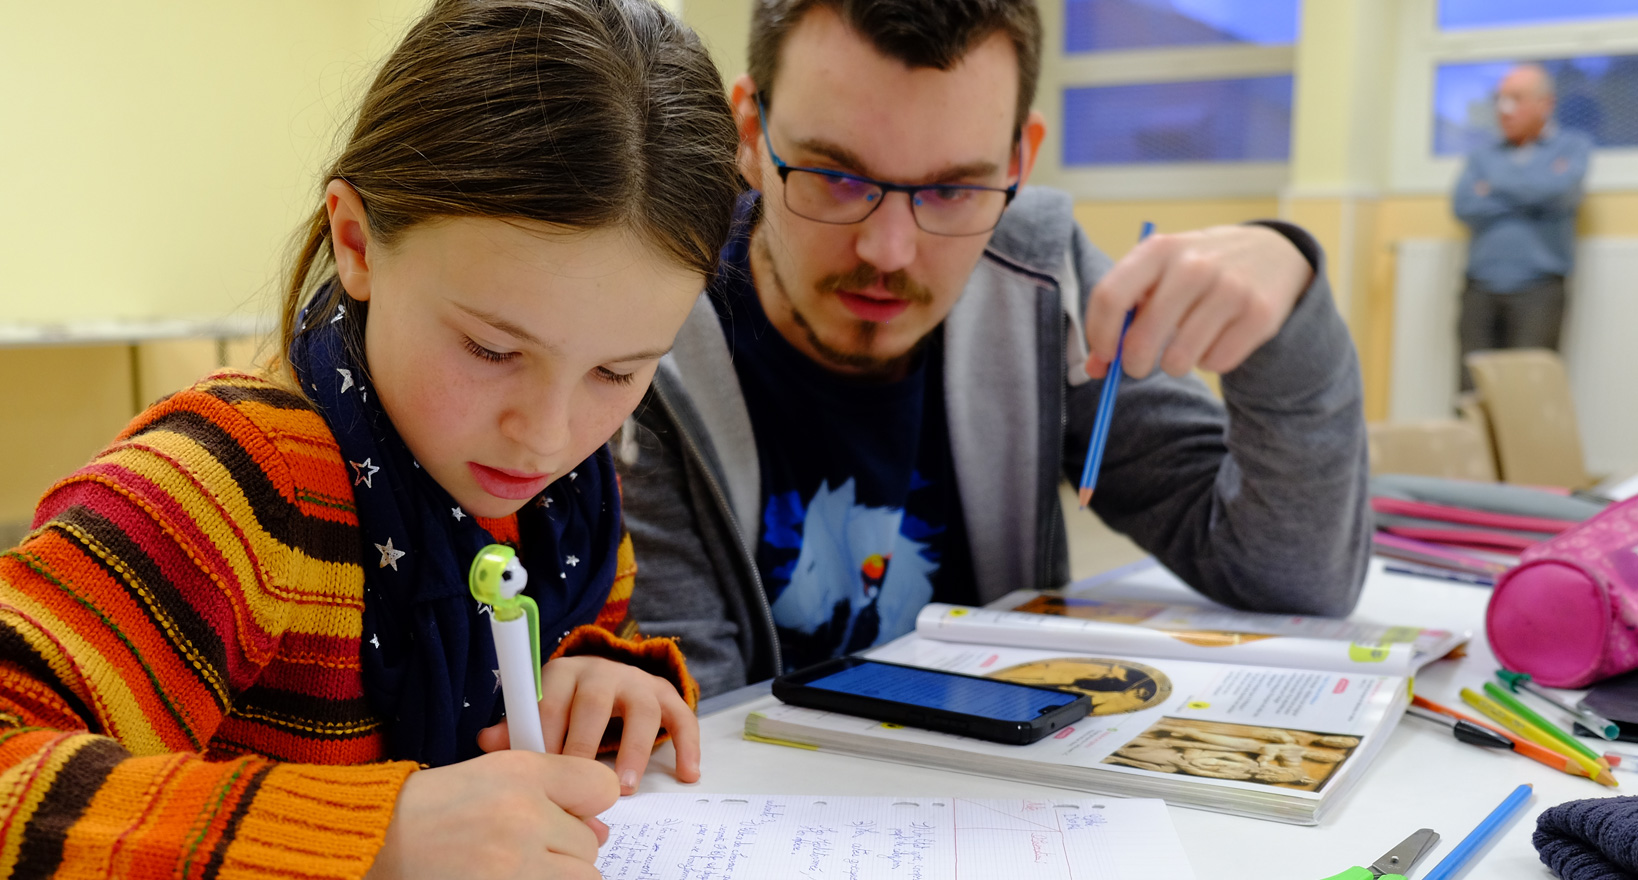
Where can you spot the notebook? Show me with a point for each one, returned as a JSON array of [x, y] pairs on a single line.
[[756, 837]]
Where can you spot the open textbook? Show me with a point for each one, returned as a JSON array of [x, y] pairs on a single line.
[[1080, 620], [757, 837], [1256, 715]]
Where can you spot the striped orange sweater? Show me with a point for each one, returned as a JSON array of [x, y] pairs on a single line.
[[180, 693]]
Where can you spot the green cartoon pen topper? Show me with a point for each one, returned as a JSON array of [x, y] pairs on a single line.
[[497, 579]]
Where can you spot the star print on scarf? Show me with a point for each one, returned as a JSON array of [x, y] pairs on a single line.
[[428, 654]]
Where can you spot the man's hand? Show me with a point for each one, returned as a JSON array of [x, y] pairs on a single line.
[[503, 816], [578, 697], [1204, 299]]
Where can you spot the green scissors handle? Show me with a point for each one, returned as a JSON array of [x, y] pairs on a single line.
[[1360, 873], [1395, 861]]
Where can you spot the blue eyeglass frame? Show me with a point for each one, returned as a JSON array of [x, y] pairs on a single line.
[[784, 168]]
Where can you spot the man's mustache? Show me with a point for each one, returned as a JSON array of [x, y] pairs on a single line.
[[865, 275]]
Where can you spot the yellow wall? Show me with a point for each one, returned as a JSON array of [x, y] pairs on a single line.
[[155, 158], [724, 26]]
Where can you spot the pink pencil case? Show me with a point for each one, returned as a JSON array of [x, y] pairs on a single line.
[[1568, 613]]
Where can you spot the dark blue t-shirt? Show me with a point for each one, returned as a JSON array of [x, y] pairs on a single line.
[[861, 518]]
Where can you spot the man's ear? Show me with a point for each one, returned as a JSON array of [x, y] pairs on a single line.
[[1033, 135], [350, 238], [742, 95]]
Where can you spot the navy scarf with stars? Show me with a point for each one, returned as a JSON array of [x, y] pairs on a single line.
[[427, 653]]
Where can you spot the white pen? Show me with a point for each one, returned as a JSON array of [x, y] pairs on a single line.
[[496, 579]]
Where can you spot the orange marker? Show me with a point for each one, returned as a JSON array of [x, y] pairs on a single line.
[[1540, 754]]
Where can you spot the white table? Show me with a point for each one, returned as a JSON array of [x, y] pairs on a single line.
[[1422, 778]]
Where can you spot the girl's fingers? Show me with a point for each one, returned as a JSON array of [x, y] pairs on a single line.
[[684, 728], [557, 690], [495, 738], [642, 724], [589, 716], [599, 829]]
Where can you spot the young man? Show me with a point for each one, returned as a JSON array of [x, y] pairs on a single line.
[[1519, 197], [873, 407]]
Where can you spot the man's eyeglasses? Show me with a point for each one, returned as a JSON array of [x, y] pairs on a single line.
[[838, 197]]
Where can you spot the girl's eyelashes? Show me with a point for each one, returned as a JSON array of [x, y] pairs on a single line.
[[495, 357], [613, 378], [485, 354]]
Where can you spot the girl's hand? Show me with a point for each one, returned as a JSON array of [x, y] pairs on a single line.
[[578, 697], [505, 816]]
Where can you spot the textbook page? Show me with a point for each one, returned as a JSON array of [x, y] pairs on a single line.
[[1274, 742], [686, 836]]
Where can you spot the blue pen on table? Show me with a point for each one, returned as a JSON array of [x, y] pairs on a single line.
[[1439, 574], [1106, 404], [1465, 852]]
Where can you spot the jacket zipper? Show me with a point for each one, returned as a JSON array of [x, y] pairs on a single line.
[[727, 511], [1048, 551]]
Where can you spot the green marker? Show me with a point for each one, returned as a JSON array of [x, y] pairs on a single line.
[[1513, 705], [1589, 719]]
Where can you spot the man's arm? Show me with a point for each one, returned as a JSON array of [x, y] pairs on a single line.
[[1258, 505], [1475, 201], [684, 589], [1545, 192]]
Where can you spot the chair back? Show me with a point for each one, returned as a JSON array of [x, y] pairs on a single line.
[[1526, 398], [1451, 448]]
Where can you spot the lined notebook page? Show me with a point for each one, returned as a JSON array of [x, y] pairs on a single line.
[[755, 837]]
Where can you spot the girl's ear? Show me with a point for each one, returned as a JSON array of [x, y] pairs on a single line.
[[350, 237]]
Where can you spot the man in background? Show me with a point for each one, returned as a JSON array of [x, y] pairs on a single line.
[[875, 403], [1519, 196]]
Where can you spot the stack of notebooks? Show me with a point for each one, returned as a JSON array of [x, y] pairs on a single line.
[[1472, 528], [1258, 715]]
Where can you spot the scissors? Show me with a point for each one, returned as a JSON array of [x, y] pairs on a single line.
[[1395, 862]]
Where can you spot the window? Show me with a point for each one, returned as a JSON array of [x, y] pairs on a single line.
[[1162, 98], [1452, 54], [1101, 25], [1221, 120], [1463, 14], [1597, 95]]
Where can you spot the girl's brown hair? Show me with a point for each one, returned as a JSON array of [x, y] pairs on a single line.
[[586, 114]]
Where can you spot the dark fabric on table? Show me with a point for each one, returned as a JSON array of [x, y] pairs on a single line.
[[1595, 839]]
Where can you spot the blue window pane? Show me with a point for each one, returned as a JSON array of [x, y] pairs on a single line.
[[1092, 25], [1462, 14], [1596, 94], [1218, 120]]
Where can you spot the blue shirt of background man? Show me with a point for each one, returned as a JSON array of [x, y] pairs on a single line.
[[1523, 220], [861, 518]]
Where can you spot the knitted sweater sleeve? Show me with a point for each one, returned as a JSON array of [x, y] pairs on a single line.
[[170, 599], [614, 635]]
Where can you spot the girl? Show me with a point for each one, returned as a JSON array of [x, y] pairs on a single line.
[[233, 639]]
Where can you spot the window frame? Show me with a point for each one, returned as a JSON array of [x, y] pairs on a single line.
[[1061, 70], [1414, 167]]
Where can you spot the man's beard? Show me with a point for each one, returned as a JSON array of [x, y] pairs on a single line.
[[856, 360]]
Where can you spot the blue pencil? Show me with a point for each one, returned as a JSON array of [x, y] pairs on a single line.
[[1464, 853], [1106, 404]]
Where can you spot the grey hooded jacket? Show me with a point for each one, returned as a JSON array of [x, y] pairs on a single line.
[[1258, 501]]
